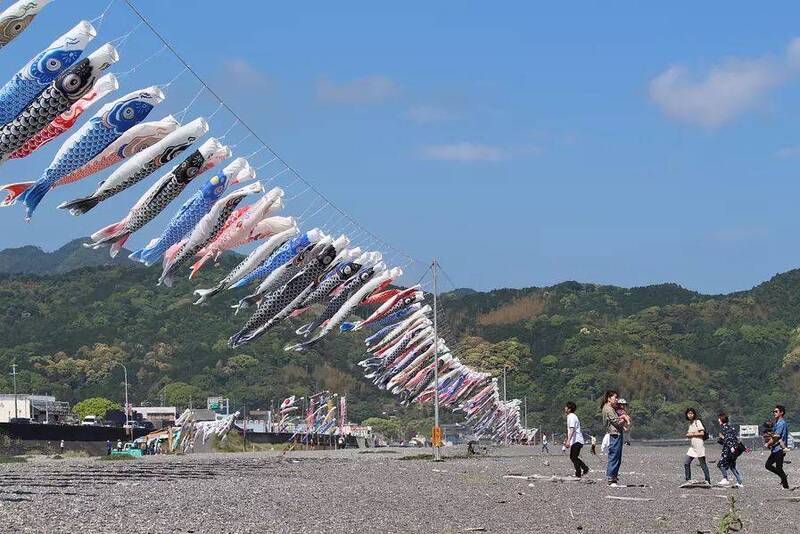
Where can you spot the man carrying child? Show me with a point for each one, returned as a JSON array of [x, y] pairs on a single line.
[[776, 442]]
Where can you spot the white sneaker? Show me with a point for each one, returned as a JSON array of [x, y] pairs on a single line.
[[724, 482], [738, 485]]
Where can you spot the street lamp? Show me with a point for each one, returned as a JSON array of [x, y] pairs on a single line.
[[125, 371]]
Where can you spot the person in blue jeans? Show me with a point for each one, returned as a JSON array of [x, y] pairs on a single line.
[[780, 436], [615, 427], [729, 440]]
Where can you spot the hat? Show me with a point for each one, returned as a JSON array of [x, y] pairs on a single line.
[[621, 401]]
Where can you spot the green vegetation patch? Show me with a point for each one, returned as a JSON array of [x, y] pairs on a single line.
[[116, 458], [13, 459], [420, 456]]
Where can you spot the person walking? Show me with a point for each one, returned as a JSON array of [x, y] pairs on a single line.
[[574, 440], [780, 436], [731, 449], [697, 449], [108, 447], [544, 443], [594, 445], [62, 446], [119, 444], [615, 425]]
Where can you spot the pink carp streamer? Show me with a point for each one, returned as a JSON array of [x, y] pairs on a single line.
[[67, 120], [130, 143]]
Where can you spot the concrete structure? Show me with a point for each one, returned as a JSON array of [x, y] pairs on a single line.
[[204, 415], [160, 416], [40, 408]]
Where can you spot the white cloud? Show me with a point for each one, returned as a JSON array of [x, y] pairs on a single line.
[[788, 151], [726, 91], [430, 114], [369, 89], [464, 152], [531, 150], [738, 234], [242, 74]]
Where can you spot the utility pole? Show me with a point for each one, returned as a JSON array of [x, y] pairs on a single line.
[[244, 429], [14, 379], [271, 415], [437, 430], [526, 412], [127, 410]]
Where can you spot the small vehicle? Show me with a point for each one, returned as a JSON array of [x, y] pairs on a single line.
[[129, 449], [90, 420]]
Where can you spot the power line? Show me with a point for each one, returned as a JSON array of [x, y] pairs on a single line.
[[450, 280], [255, 135]]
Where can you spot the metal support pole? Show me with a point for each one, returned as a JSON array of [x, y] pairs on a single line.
[[437, 431], [244, 430], [127, 404], [14, 379], [526, 413], [505, 405]]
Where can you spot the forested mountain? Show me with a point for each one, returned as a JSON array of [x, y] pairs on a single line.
[[663, 347], [73, 255]]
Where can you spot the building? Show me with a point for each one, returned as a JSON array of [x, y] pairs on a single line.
[[160, 416], [204, 415], [39, 408]]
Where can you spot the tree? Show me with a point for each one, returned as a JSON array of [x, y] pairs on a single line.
[[390, 429], [182, 394], [492, 357], [97, 406]]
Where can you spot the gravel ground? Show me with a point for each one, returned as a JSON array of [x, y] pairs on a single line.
[[348, 491]]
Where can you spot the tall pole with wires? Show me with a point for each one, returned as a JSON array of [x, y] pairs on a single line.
[[505, 406], [437, 431]]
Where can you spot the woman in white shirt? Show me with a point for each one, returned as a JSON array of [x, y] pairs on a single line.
[[574, 440], [697, 448]]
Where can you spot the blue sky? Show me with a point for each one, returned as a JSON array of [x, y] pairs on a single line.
[[522, 145]]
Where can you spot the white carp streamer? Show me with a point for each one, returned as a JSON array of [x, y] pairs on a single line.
[[188, 431]]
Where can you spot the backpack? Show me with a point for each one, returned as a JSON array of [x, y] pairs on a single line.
[[705, 432]]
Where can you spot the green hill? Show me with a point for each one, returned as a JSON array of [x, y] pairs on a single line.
[[664, 347], [73, 255]]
